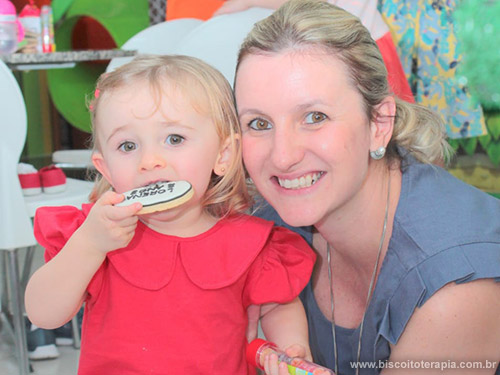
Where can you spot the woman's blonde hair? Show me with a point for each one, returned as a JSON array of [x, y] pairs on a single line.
[[210, 94], [304, 24]]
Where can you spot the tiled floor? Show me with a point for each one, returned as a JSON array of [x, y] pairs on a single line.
[[66, 364]]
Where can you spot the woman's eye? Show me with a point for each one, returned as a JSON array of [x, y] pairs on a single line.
[[315, 117], [127, 146], [259, 124], [175, 139]]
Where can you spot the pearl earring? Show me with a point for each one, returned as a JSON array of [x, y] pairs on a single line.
[[378, 153]]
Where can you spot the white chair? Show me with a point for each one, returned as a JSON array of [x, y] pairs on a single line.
[[215, 41], [159, 39], [218, 40], [73, 159], [16, 211]]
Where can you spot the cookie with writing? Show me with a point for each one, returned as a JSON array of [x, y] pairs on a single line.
[[159, 196]]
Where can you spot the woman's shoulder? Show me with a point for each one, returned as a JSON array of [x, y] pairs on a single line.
[[460, 321], [420, 284], [445, 232], [437, 210]]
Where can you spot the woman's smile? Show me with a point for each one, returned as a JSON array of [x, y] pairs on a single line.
[[302, 182]]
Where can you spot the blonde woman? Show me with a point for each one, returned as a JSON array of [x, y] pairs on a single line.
[[406, 280]]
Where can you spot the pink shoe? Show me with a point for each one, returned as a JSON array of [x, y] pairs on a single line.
[[29, 179], [53, 179]]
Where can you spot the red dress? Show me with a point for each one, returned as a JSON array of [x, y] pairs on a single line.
[[172, 305]]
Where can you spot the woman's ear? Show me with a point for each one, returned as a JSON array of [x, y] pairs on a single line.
[[382, 126], [100, 165], [225, 155]]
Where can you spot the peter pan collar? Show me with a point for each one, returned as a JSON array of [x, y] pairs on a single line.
[[212, 260]]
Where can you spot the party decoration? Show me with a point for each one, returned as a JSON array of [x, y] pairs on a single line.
[[478, 29], [113, 20]]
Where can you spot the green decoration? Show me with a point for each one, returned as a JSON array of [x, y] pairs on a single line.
[[493, 152], [478, 29], [491, 145], [454, 144], [59, 7], [491, 141], [484, 141], [493, 123], [70, 87], [468, 145]]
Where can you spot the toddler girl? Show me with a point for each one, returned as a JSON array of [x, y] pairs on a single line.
[[167, 292]]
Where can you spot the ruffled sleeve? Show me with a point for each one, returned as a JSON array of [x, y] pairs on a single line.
[[274, 263], [281, 270], [424, 255], [53, 226], [457, 264]]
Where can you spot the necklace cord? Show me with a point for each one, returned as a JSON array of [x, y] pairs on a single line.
[[370, 288], [328, 255]]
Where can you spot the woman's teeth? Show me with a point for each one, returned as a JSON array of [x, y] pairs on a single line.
[[300, 183]]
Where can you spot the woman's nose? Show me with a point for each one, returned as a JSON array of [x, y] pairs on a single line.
[[152, 159], [287, 149]]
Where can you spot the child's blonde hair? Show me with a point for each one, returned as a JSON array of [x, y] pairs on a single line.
[[226, 194]]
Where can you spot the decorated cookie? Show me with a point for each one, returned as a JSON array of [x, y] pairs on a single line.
[[159, 196]]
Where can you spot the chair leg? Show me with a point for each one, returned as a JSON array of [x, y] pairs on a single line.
[[28, 261], [5, 283], [5, 308], [17, 313]]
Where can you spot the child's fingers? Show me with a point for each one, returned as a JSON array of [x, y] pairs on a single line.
[[296, 350], [129, 222], [110, 198], [125, 212], [271, 365], [283, 369]]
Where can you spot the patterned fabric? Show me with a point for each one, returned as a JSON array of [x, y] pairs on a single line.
[[370, 17], [157, 9], [367, 12], [425, 38]]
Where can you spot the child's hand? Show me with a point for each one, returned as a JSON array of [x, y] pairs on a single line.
[[299, 351], [108, 227], [271, 366]]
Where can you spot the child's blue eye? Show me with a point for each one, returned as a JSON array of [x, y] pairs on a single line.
[[259, 124], [315, 117], [127, 146], [174, 139]]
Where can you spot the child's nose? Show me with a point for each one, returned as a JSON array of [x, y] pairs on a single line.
[[152, 160]]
